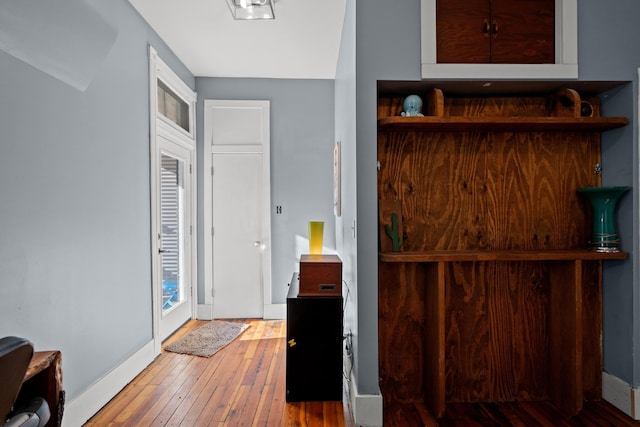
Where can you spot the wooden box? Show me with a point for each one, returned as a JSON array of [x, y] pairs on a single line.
[[320, 275]]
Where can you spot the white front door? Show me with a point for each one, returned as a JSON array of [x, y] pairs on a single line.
[[237, 208], [174, 234]]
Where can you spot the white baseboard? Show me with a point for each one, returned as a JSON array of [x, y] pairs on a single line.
[[204, 312], [621, 395], [367, 408], [275, 311], [271, 311], [87, 404]]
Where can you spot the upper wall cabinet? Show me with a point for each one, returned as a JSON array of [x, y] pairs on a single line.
[[495, 31], [499, 39]]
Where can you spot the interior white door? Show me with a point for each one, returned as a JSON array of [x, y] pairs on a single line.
[[174, 275], [237, 209], [237, 241]]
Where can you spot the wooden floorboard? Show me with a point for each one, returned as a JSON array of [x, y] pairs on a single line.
[[516, 414], [241, 385]]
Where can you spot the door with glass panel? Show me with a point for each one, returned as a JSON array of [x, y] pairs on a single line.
[[174, 235]]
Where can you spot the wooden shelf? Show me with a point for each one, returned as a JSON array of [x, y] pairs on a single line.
[[502, 124], [471, 256]]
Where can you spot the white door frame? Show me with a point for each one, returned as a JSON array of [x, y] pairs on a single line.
[[159, 126], [205, 310]]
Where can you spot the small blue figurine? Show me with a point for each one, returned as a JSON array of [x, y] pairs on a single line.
[[412, 106]]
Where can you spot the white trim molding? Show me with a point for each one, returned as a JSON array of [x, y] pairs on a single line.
[[204, 312], [621, 395], [269, 311], [87, 404], [367, 408], [275, 311]]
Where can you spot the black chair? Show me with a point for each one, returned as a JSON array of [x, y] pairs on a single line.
[[15, 355]]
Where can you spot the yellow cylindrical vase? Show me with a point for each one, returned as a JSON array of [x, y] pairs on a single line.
[[316, 232]]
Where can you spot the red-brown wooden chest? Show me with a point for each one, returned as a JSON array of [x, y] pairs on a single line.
[[320, 275]]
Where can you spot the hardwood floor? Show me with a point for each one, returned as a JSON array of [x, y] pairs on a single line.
[[241, 385], [244, 385]]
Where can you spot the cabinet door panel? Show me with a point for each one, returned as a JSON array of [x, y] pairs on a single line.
[[314, 348], [522, 32], [462, 31], [495, 31]]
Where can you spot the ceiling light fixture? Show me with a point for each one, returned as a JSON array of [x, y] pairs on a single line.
[[251, 9]]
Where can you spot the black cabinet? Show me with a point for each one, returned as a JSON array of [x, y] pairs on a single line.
[[314, 346]]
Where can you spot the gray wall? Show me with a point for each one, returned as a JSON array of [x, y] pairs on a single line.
[[302, 139], [345, 114], [388, 48], [75, 213], [620, 279], [612, 54]]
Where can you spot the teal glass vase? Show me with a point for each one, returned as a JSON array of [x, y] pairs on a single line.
[[604, 237]]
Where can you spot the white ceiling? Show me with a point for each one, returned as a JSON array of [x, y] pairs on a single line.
[[302, 42]]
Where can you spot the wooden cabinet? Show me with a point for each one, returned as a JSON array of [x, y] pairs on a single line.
[[493, 297], [564, 64], [495, 31], [44, 378]]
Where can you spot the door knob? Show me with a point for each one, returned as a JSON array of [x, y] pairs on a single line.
[[257, 243], [486, 28]]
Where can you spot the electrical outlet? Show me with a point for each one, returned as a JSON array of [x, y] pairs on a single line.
[[347, 356], [348, 338]]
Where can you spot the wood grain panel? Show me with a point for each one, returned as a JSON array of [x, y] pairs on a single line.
[[436, 176], [592, 363], [462, 28], [532, 182], [565, 348], [495, 107], [466, 318], [401, 330], [390, 107], [489, 190], [523, 31], [517, 325], [496, 345], [434, 360]]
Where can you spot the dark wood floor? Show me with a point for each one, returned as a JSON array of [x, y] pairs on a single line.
[[521, 414], [244, 385]]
